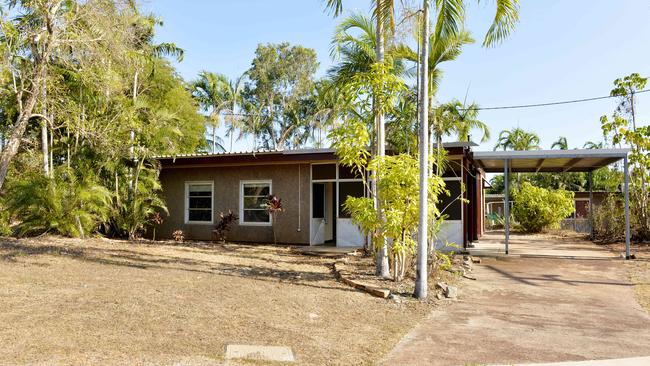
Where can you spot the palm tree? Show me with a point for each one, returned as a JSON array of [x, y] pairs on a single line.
[[215, 142], [216, 94], [593, 145], [383, 11], [517, 139], [232, 99], [561, 144]]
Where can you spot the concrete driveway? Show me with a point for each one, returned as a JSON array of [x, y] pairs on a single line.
[[524, 310]]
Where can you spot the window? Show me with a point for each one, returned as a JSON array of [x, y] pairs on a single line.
[[323, 171], [252, 201], [451, 205], [348, 189], [198, 202]]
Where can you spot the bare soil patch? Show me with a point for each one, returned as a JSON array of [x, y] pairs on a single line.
[[639, 270], [98, 301]]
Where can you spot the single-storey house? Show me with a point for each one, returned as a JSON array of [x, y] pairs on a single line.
[[313, 187]]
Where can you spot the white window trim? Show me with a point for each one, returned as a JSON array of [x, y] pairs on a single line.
[[241, 202], [187, 203]]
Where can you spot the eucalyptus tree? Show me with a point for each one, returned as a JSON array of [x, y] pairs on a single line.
[[624, 129], [279, 86], [517, 139], [30, 39]]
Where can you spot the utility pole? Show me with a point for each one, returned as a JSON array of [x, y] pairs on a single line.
[[421, 283]]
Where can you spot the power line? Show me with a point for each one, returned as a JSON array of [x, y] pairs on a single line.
[[521, 106], [549, 103]]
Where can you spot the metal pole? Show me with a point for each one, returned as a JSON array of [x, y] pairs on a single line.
[[627, 208], [506, 202], [591, 206]]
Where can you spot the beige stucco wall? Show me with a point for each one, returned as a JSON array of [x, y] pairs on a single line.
[[285, 184]]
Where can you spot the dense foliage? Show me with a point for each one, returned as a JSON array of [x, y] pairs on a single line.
[[624, 129], [538, 208], [107, 102]]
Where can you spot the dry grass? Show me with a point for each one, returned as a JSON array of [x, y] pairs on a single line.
[[639, 270], [97, 301]]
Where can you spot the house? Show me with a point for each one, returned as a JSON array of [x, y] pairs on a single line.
[[313, 187]]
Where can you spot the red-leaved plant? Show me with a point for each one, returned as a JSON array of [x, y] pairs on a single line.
[[224, 225], [274, 207]]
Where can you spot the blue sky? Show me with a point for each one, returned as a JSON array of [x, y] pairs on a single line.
[[561, 50]]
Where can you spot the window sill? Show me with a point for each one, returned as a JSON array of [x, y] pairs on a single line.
[[255, 224], [203, 223]]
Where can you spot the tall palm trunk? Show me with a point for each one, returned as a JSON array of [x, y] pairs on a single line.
[[382, 267], [421, 285]]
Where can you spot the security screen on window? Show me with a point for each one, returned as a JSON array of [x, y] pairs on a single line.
[[199, 202], [254, 197]]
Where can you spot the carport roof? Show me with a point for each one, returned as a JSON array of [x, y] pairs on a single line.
[[578, 160]]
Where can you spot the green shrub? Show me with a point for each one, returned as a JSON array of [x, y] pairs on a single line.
[[131, 216], [63, 204], [609, 219], [538, 208], [5, 221]]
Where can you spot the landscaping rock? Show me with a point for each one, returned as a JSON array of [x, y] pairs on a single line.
[[441, 285], [476, 260], [451, 292], [457, 270]]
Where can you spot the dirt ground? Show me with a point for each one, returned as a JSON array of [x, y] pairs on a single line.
[[97, 301], [525, 309], [639, 270]]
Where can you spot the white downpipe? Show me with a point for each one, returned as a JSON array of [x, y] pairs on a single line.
[[299, 200]]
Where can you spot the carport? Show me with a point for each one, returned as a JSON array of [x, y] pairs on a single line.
[[555, 161]]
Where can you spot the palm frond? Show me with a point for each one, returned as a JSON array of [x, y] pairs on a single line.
[[504, 22]]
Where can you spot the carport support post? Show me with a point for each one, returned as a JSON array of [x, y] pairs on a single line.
[[627, 207], [506, 203], [591, 205]]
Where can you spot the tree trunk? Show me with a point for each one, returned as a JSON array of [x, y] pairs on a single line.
[[641, 169], [214, 139], [421, 281], [19, 128], [44, 139], [382, 268]]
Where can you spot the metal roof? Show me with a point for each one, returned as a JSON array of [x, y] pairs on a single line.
[[285, 152], [533, 161]]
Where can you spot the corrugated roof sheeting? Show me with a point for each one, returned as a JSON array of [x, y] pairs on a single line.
[[579, 160]]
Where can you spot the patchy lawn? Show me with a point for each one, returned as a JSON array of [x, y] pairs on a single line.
[[639, 270], [98, 301]]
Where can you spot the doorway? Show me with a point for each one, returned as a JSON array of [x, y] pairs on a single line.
[[323, 218]]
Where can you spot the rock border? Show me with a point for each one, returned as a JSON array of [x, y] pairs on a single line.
[[344, 276]]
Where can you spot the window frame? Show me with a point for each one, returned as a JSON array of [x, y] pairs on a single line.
[[242, 221], [187, 202]]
